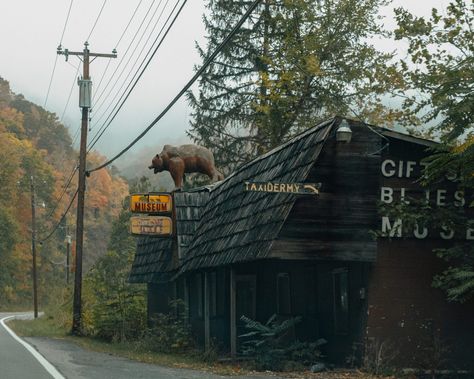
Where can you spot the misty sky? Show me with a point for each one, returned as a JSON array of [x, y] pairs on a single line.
[[31, 31]]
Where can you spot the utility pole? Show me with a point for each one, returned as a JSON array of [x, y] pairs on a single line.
[[33, 245], [85, 85], [68, 247]]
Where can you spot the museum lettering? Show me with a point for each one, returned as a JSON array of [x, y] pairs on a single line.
[[398, 172]]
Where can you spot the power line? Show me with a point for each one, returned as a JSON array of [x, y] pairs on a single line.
[[129, 22], [136, 77], [60, 221], [96, 20], [65, 23], [185, 88], [70, 93], [126, 51], [56, 59], [96, 109], [66, 186]]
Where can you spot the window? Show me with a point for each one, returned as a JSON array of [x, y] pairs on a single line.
[[283, 294], [341, 301]]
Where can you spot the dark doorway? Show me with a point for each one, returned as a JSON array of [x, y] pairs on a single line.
[[246, 293]]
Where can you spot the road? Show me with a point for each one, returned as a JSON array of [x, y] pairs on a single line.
[[65, 359], [19, 360]]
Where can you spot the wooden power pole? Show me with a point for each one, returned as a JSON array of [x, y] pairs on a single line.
[[85, 86], [33, 246]]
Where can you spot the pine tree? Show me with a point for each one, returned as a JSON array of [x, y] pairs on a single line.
[[293, 63]]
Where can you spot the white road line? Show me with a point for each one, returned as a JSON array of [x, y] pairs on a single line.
[[48, 366]]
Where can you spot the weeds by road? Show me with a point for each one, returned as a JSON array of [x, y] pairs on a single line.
[[48, 327]]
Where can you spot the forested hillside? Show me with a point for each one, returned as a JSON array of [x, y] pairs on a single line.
[[36, 153]]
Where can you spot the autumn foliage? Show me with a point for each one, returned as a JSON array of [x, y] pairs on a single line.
[[36, 149]]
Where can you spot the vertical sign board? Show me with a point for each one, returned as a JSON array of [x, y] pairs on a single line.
[[151, 203], [151, 226]]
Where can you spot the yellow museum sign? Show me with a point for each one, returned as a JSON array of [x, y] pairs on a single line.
[[151, 203]]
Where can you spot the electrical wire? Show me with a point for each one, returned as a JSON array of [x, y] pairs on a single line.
[[136, 77], [60, 220], [96, 109], [56, 59], [126, 51], [70, 93], [185, 88], [129, 22], [65, 188], [96, 20], [130, 58], [67, 19], [116, 45]]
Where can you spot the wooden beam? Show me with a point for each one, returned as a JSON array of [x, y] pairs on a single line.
[[233, 311], [186, 298], [207, 329]]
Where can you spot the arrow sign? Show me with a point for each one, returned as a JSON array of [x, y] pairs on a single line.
[[274, 187]]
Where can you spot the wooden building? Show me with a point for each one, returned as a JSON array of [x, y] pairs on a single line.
[[258, 253]]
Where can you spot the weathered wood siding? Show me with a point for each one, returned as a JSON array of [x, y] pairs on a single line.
[[338, 224]]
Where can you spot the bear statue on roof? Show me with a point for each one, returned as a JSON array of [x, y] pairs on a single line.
[[190, 158]]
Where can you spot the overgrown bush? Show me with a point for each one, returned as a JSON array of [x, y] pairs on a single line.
[[118, 308], [269, 347], [169, 333]]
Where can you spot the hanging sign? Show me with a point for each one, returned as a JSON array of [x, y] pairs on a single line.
[[296, 188], [150, 203], [151, 225]]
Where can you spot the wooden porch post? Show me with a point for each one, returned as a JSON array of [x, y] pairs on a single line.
[[186, 299], [207, 329], [233, 323]]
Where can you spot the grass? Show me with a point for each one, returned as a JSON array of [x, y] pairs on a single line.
[[48, 327]]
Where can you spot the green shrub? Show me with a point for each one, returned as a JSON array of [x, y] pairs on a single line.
[[268, 346], [169, 333]]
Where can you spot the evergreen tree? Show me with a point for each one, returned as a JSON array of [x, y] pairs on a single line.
[[293, 63]]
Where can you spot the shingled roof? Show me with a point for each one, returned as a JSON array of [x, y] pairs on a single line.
[[189, 206], [237, 225]]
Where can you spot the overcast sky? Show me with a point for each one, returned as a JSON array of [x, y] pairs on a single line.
[[31, 31]]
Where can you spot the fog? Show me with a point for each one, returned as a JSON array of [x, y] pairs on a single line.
[[31, 32]]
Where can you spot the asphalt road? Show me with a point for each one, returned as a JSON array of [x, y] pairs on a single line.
[[15, 359], [74, 362]]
